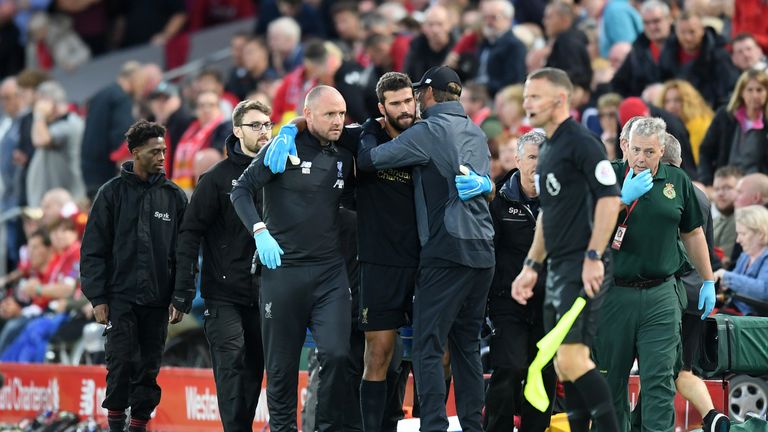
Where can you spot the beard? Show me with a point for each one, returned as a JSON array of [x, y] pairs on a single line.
[[727, 210], [253, 145], [401, 122]]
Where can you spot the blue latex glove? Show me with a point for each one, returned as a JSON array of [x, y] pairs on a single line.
[[268, 249], [472, 185], [282, 145], [636, 186], [707, 298]]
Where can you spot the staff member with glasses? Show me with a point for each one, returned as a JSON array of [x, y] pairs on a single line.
[[228, 285]]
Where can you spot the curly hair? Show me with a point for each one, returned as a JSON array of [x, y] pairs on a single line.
[[141, 132], [693, 104]]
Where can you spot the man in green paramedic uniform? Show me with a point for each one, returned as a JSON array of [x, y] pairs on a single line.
[[641, 315]]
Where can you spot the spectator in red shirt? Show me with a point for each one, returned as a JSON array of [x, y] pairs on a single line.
[[749, 16], [27, 301]]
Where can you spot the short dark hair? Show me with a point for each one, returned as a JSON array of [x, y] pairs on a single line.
[[452, 94], [391, 81], [562, 8], [687, 15], [141, 132], [31, 78], [477, 92], [315, 52], [729, 171], [43, 234], [213, 73], [248, 105], [64, 223], [555, 76], [743, 36], [376, 38], [345, 6]]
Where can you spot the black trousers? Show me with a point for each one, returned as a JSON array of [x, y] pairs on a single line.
[[293, 298], [234, 335], [134, 349], [513, 348], [449, 305]]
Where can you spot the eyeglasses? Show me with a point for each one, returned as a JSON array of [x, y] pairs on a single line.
[[257, 126], [609, 114]]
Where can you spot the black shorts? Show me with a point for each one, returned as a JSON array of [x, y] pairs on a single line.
[[692, 329], [386, 296], [564, 285]]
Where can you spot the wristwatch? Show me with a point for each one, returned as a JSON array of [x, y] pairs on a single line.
[[593, 255], [534, 265]]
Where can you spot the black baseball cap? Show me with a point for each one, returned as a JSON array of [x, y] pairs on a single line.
[[438, 77]]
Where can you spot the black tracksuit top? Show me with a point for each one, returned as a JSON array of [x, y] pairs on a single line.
[[301, 205], [228, 246], [129, 245]]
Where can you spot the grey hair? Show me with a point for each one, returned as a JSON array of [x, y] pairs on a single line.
[[624, 135], [532, 137], [648, 127], [672, 151], [509, 8], [650, 5], [285, 25], [53, 91]]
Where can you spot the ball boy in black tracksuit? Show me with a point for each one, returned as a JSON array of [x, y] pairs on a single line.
[[516, 327], [127, 267], [228, 285], [304, 282]]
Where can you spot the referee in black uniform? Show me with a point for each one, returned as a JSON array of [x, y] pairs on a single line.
[[230, 289], [579, 207], [304, 282]]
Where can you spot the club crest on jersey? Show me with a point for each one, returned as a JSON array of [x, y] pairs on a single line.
[[669, 191], [553, 186]]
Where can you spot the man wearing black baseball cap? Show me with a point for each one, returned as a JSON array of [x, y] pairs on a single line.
[[440, 77], [456, 236]]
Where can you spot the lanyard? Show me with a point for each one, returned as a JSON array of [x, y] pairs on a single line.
[[634, 203]]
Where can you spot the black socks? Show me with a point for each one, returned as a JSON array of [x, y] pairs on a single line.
[[596, 397], [373, 401]]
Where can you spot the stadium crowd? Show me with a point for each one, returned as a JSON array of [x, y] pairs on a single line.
[[699, 65]]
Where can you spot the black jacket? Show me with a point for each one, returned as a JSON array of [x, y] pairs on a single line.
[[129, 246], [421, 57], [715, 149], [506, 62], [109, 117], [638, 70], [514, 219], [712, 73], [301, 205], [569, 53], [676, 127], [228, 246]]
